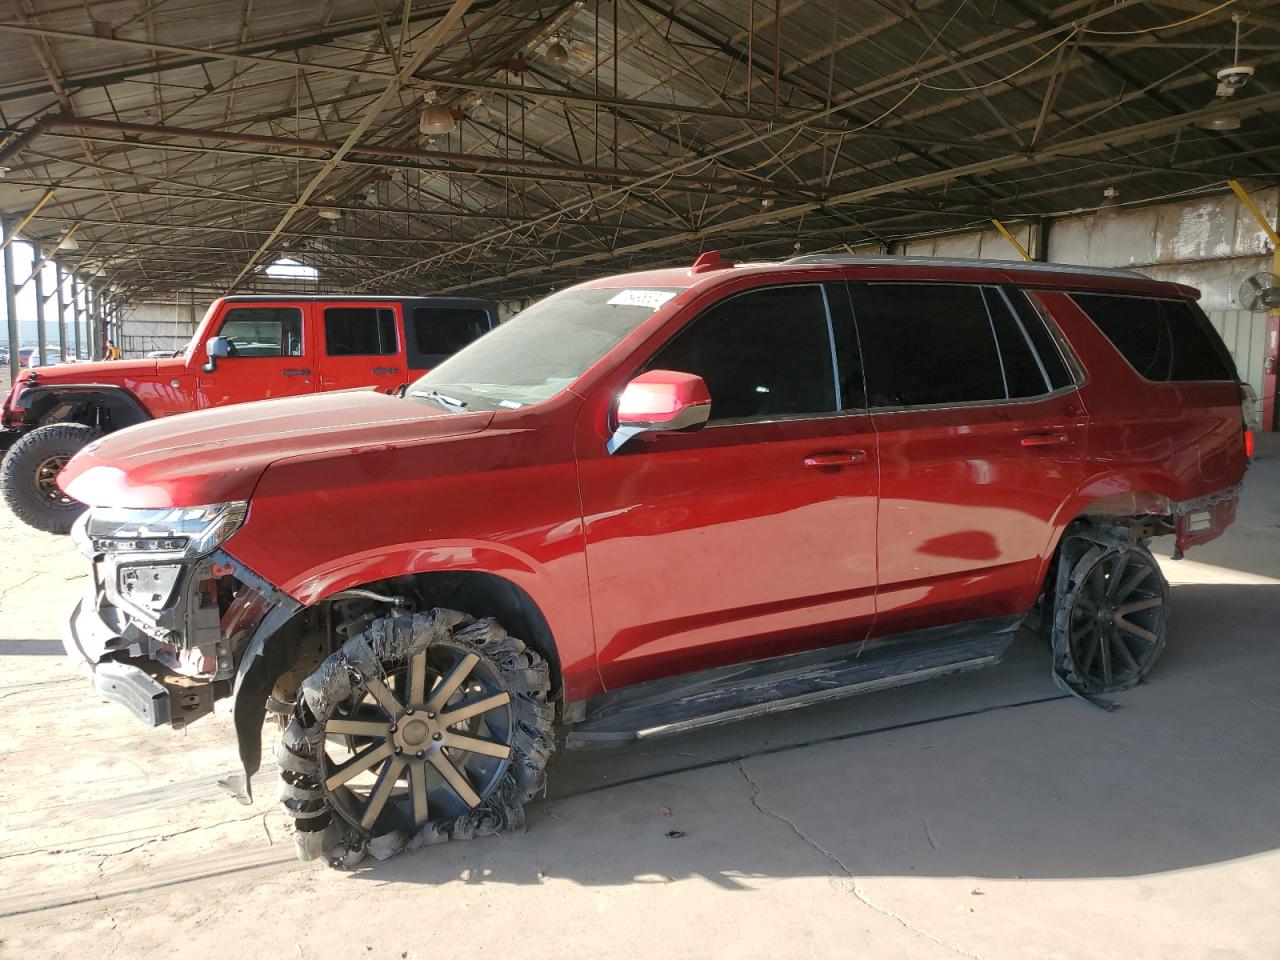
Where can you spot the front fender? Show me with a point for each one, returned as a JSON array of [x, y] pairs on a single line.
[[315, 584]]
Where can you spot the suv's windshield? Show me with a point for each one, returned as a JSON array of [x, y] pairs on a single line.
[[541, 350]]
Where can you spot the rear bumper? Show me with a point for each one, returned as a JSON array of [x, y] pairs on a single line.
[[86, 637], [1205, 518]]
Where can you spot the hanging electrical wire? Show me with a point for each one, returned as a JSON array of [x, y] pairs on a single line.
[[1008, 76], [1164, 26]]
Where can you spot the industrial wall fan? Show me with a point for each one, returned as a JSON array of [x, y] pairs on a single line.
[[1260, 292]]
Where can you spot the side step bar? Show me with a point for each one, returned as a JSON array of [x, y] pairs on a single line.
[[714, 697]]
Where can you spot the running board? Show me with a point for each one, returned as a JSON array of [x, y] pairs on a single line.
[[713, 697]]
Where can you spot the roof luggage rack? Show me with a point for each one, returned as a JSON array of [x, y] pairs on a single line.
[[837, 258]]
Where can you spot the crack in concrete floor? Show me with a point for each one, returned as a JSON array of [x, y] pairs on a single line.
[[853, 886]]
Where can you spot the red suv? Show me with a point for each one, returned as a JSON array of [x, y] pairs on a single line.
[[658, 502], [245, 348]]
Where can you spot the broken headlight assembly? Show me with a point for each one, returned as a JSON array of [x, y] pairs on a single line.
[[189, 532]]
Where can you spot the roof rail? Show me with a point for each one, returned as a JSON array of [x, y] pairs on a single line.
[[1016, 265]]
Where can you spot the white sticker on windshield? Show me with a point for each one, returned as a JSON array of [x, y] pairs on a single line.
[[652, 299]]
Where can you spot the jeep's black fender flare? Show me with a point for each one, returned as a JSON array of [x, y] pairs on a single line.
[[124, 408]]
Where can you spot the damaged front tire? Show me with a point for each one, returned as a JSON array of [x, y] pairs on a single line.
[[421, 728]]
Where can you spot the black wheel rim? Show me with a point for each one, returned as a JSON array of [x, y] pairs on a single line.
[[1117, 620], [47, 479], [427, 743]]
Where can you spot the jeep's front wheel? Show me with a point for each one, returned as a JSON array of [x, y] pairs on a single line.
[[446, 736], [29, 475]]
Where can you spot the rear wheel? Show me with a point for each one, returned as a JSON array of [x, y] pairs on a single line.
[[1109, 627], [29, 475]]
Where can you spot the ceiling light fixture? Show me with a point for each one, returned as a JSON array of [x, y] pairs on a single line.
[[435, 116]]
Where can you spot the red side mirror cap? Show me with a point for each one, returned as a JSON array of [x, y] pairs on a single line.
[[661, 400]]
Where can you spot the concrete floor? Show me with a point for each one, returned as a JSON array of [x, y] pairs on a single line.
[[986, 816]]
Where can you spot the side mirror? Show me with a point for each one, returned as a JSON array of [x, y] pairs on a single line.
[[218, 348], [660, 401]]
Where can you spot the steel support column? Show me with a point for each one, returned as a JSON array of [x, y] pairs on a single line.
[[11, 305], [62, 311], [77, 312], [37, 282]]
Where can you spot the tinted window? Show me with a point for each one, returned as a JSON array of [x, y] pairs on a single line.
[[1047, 349], [359, 331], [764, 353], [446, 330], [263, 331], [927, 343], [1022, 374], [1161, 339]]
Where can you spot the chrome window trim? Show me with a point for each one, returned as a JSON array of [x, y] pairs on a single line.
[[971, 404], [1044, 374]]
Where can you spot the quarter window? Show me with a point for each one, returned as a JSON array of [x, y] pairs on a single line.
[[1162, 339], [763, 354], [446, 330], [359, 331], [263, 331]]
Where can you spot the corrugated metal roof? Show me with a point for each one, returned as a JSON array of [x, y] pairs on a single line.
[[868, 123]]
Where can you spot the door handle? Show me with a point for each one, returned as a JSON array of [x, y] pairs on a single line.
[[296, 372], [837, 458], [1045, 440], [385, 370]]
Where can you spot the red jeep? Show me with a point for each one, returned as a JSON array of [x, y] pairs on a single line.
[[245, 348], [658, 502]]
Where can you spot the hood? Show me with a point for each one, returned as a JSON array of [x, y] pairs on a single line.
[[101, 371], [218, 455]]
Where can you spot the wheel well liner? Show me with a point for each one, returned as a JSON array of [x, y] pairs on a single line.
[[122, 407]]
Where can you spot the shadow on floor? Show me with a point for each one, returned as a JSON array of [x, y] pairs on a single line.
[[944, 779]]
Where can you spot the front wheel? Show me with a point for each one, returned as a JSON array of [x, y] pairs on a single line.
[[428, 727], [29, 475]]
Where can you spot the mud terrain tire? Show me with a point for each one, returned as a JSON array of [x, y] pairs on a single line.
[[447, 719], [29, 471]]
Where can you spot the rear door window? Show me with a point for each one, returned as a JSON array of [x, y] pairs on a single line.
[[359, 332], [439, 332], [927, 343], [1049, 349], [1163, 340], [763, 354], [263, 331]]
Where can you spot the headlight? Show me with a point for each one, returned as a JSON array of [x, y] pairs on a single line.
[[190, 531]]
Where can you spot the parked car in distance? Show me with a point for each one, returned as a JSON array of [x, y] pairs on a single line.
[[653, 503], [246, 348]]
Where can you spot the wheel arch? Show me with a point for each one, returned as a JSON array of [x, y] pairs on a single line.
[[122, 408], [278, 644], [1118, 495]]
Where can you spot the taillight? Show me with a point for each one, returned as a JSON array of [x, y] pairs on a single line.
[[1248, 444]]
